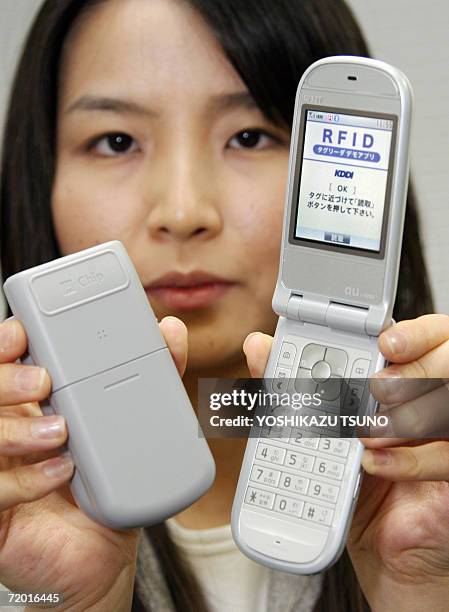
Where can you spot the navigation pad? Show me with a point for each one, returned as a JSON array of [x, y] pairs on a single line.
[[321, 369]]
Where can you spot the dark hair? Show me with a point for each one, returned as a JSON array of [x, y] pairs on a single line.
[[270, 43]]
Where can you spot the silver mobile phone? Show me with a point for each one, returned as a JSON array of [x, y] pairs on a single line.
[[132, 432], [340, 254]]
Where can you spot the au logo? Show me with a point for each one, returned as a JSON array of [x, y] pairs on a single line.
[[352, 291]]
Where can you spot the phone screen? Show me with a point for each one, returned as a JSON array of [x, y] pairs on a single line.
[[343, 182]]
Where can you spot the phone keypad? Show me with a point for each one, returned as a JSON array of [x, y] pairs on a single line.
[[301, 472]]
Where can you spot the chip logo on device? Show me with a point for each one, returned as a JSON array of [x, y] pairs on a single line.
[[74, 284]]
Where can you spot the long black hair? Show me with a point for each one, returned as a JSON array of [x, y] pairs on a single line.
[[270, 43]]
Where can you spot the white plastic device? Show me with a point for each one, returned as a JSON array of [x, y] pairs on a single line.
[[137, 446], [341, 246]]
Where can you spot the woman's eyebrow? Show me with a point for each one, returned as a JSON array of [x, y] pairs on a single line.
[[230, 101], [114, 105], [216, 103]]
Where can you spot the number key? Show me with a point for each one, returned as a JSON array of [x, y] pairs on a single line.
[[295, 484], [288, 505], [331, 469], [306, 439], [273, 454], [322, 490], [278, 432], [299, 461], [335, 446], [265, 475]]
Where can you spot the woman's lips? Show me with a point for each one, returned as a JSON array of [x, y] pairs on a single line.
[[177, 291]]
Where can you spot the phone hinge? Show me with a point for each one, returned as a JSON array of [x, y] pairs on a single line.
[[332, 314]]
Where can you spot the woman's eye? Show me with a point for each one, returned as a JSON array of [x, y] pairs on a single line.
[[251, 139], [113, 145]]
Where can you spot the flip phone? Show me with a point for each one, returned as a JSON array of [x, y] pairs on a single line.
[[341, 246], [132, 433]]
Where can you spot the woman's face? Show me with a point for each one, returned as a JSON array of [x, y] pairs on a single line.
[[160, 146]]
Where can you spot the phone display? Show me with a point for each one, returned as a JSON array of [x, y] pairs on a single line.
[[344, 178]]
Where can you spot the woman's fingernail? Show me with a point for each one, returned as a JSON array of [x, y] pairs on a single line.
[[48, 427], [382, 431], [171, 320], [30, 378], [251, 335], [397, 342], [389, 384], [58, 467], [7, 334], [378, 457]]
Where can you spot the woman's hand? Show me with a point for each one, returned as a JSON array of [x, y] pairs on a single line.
[[399, 540], [47, 544]]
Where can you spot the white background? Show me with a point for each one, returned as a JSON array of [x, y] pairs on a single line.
[[411, 34]]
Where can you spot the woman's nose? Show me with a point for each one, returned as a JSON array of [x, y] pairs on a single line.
[[184, 204]]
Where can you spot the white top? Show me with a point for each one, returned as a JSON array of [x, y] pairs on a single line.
[[229, 580]]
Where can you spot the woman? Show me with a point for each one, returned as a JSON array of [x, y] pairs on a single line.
[[165, 124]]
